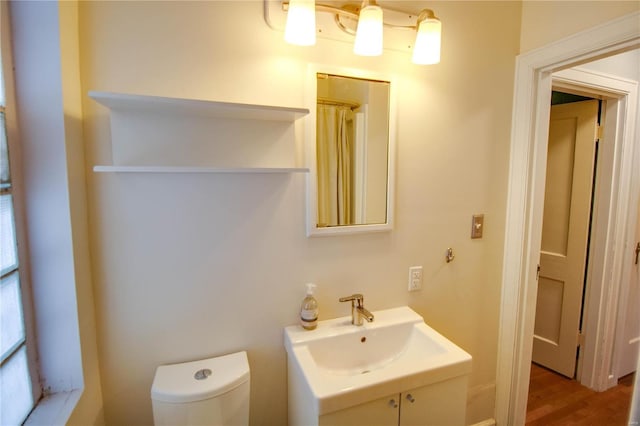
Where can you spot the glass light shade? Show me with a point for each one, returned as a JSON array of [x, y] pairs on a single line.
[[369, 32], [427, 47], [301, 23]]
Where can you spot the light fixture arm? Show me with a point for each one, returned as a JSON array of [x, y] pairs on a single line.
[[327, 8], [366, 3], [426, 14], [354, 13]]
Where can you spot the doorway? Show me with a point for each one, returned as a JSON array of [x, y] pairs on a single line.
[[524, 218], [601, 343], [574, 125], [615, 187]]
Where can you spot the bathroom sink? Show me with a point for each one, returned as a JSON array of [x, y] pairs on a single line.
[[341, 365], [371, 348]]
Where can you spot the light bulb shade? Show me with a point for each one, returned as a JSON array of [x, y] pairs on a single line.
[[301, 23], [426, 50], [369, 32]]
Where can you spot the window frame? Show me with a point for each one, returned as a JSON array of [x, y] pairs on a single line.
[[17, 192]]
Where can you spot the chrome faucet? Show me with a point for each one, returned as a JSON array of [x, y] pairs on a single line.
[[358, 310]]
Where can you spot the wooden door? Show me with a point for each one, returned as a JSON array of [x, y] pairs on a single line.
[[565, 231]]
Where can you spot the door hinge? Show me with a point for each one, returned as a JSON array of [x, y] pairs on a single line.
[[538, 272], [580, 339], [599, 131]]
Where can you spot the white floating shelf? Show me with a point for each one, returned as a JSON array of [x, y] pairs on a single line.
[[172, 169], [122, 101]]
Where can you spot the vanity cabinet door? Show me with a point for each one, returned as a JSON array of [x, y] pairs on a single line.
[[435, 405], [381, 412]]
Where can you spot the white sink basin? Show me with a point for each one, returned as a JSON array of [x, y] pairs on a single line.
[[341, 365]]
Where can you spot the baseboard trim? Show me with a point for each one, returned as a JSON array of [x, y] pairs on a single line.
[[487, 422]]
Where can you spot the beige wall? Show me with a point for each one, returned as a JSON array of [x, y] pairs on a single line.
[[188, 267], [90, 408], [544, 22]]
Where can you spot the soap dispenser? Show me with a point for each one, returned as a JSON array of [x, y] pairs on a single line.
[[309, 309]]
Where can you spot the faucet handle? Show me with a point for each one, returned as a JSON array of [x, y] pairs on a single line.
[[354, 297]]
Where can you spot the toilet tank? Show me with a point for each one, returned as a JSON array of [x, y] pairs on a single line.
[[212, 391]]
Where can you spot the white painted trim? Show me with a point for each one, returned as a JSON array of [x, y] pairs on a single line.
[[17, 170], [600, 249], [487, 422], [54, 409], [627, 235], [526, 194]]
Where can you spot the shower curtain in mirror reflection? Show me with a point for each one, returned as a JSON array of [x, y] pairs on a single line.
[[335, 165]]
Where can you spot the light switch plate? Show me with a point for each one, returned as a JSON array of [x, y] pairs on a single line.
[[477, 225]]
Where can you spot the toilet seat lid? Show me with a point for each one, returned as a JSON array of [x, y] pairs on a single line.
[[200, 380]]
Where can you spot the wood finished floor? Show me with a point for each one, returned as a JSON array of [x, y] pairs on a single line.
[[556, 400]]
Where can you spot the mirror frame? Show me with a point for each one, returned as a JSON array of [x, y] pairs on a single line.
[[310, 150]]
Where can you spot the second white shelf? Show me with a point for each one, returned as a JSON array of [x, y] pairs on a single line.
[[176, 169]]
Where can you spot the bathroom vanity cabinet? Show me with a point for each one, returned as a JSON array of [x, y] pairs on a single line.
[[152, 134], [393, 371], [438, 404]]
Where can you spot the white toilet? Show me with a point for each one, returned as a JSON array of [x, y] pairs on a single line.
[[212, 391]]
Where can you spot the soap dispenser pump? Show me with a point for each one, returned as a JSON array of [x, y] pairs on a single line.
[[309, 309]]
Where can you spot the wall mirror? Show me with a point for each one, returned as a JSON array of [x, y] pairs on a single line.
[[350, 140]]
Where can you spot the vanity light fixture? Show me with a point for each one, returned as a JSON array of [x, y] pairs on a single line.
[[301, 28]]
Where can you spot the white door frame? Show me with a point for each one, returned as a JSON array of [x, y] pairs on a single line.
[[529, 134], [606, 282]]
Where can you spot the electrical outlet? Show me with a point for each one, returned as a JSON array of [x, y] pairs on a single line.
[[415, 278]]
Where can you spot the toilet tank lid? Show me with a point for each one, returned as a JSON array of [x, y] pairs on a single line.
[[200, 380]]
